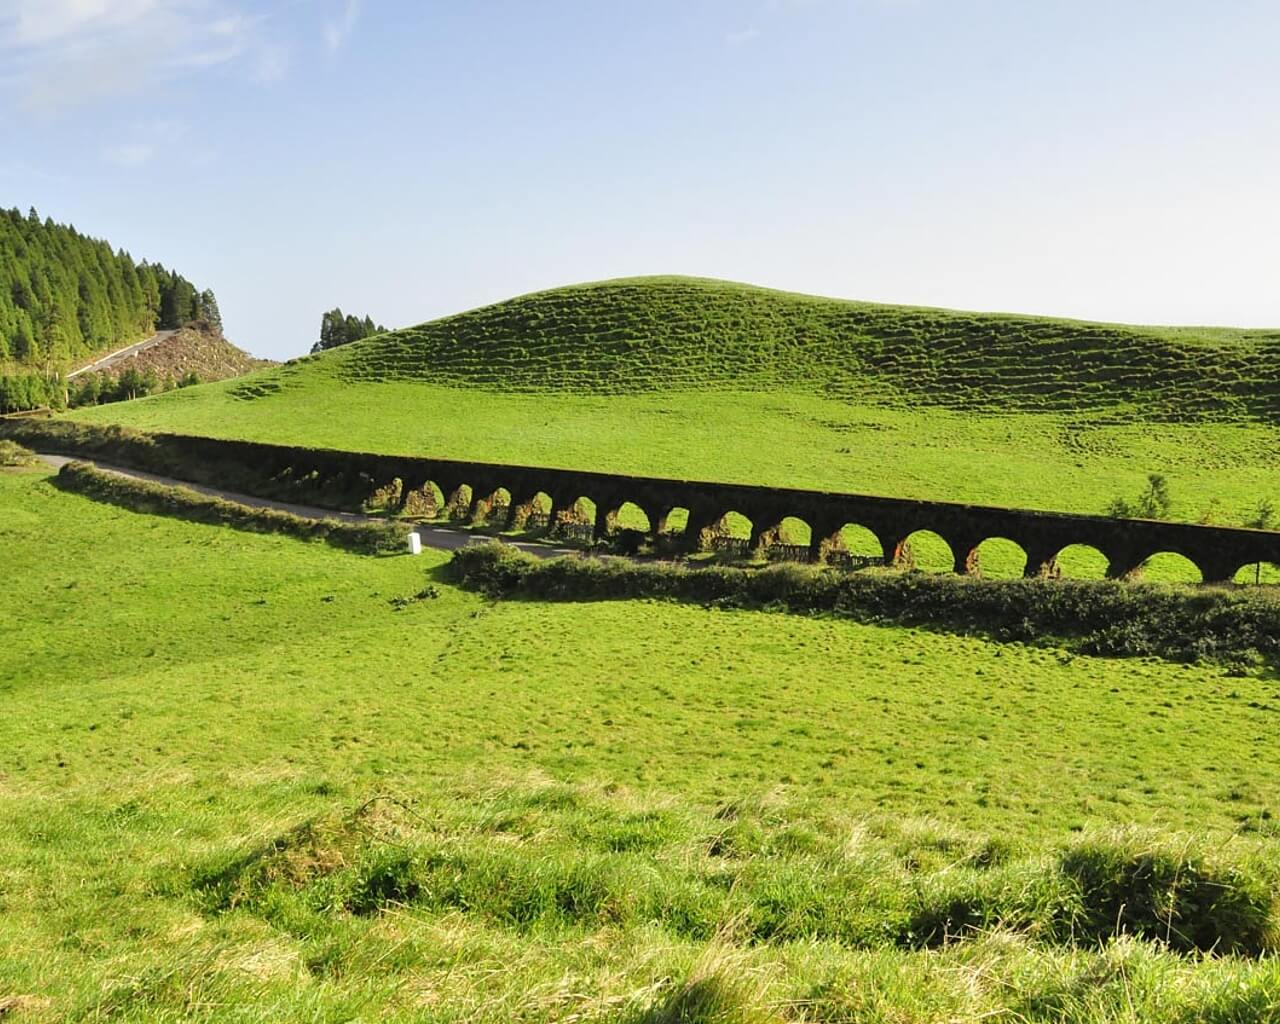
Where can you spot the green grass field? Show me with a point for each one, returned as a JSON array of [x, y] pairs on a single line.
[[237, 784]]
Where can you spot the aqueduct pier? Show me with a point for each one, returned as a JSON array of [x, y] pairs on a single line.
[[1219, 552]]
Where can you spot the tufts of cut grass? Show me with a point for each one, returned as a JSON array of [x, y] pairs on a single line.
[[881, 894]]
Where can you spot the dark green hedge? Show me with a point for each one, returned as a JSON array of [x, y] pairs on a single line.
[[143, 496], [1237, 627]]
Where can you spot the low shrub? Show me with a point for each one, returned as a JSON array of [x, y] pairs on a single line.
[[158, 499], [1105, 617], [14, 456]]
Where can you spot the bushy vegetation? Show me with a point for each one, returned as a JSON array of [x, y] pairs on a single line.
[[1098, 617], [65, 296], [14, 456], [144, 496]]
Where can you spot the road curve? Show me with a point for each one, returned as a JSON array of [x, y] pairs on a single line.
[[442, 538], [124, 353]]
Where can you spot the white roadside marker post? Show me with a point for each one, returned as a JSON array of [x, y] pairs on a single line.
[[415, 544]]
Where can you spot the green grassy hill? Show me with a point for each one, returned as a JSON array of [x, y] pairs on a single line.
[[694, 378], [669, 333]]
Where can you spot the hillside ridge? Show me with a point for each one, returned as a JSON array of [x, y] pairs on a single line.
[[648, 334]]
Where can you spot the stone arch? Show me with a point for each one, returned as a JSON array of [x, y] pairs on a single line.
[[1079, 562], [730, 534], [674, 521], [576, 519], [493, 509], [925, 550], [997, 558], [387, 497], [671, 530], [421, 500], [1170, 567], [534, 513], [790, 539], [629, 516], [850, 545], [1264, 573], [792, 530], [458, 502]]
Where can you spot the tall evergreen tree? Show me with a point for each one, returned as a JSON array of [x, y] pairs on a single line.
[[65, 297], [339, 329]]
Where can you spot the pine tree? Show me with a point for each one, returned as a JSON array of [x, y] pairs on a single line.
[[209, 310], [65, 296]]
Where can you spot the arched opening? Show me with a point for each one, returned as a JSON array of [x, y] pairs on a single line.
[[730, 535], [458, 505], [852, 547], [998, 558], [1170, 567], [787, 541], [629, 516], [533, 515], [1079, 562], [671, 527], [384, 498], [425, 502], [577, 521], [926, 551], [675, 522], [1266, 574], [493, 510]]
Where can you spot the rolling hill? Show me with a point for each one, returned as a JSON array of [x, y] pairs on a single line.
[[670, 333], [696, 378]]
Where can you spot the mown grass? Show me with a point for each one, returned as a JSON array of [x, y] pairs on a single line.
[[236, 783]]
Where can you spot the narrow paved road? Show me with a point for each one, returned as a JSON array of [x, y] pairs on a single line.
[[442, 537], [125, 353]]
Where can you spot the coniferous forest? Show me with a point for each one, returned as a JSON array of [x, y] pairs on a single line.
[[65, 297]]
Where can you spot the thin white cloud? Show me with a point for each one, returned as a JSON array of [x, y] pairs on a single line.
[[271, 63], [337, 30], [145, 141], [742, 37], [58, 54], [132, 154], [42, 22]]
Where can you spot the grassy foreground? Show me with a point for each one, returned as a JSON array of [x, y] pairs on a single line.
[[236, 783]]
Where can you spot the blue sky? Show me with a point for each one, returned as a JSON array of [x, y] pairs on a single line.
[[1111, 160]]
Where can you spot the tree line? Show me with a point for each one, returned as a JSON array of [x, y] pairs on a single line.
[[65, 296], [19, 392], [337, 328]]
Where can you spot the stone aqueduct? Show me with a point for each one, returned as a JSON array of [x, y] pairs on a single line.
[[1218, 552]]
